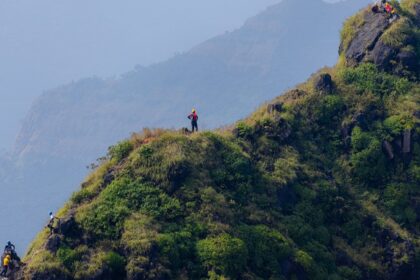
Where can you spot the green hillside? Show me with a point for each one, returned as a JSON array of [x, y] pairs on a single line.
[[321, 183]]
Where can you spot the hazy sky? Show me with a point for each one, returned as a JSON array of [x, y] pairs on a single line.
[[45, 43]]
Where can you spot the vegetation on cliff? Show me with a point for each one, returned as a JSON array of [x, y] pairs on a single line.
[[321, 183]]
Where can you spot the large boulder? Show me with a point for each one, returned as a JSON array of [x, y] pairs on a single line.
[[324, 83], [68, 226], [53, 243], [366, 37], [390, 48]]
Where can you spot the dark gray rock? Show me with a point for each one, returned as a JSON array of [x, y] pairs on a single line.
[[398, 143], [108, 178], [407, 142], [359, 119], [53, 243], [279, 130], [324, 83], [381, 55], [275, 107], [417, 114], [367, 37], [407, 60], [388, 149], [368, 46], [68, 226]]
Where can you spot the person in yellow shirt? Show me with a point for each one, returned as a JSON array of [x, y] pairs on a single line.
[[6, 263]]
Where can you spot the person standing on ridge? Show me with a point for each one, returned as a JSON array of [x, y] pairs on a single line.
[[194, 118], [51, 222]]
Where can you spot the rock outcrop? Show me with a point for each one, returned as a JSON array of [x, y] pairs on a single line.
[[366, 37], [390, 45], [324, 83]]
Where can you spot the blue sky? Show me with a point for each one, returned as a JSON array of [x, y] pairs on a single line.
[[46, 43]]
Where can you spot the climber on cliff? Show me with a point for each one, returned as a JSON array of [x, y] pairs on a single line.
[[383, 6], [51, 222], [194, 118], [10, 249], [389, 9], [6, 263]]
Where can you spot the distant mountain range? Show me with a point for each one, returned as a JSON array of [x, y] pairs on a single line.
[[224, 78]]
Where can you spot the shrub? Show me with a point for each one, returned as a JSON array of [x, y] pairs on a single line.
[[233, 166], [243, 130], [304, 260], [116, 265], [398, 34], [176, 247], [329, 109], [350, 273], [82, 195], [140, 234], [224, 254], [69, 256], [121, 150], [267, 249], [369, 164], [165, 162], [367, 78], [286, 167], [359, 139], [299, 230], [101, 264], [106, 215], [397, 200], [398, 123]]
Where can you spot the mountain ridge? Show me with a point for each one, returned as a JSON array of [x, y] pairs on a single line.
[[319, 183], [69, 128]]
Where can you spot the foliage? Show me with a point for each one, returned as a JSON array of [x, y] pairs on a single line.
[[121, 150], [398, 34], [267, 249], [286, 167], [367, 78], [108, 212], [223, 254], [244, 130]]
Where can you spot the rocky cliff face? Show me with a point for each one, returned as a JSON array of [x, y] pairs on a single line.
[[320, 183], [391, 45]]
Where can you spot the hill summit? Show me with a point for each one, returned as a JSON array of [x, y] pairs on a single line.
[[320, 183]]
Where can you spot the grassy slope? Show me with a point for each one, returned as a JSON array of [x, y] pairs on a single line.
[[280, 194]]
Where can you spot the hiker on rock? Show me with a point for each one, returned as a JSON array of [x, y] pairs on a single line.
[[389, 9], [9, 248], [194, 118], [6, 263], [51, 222], [383, 6]]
